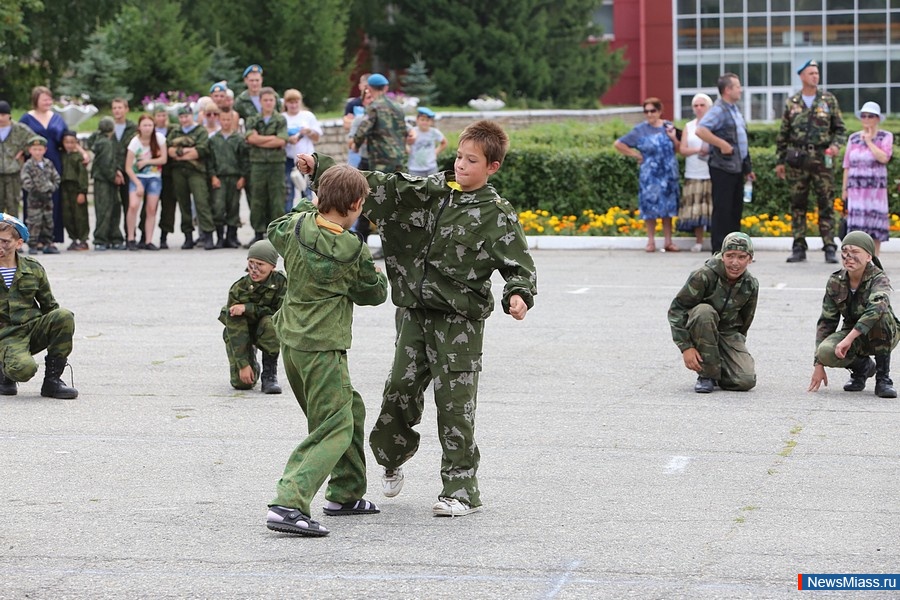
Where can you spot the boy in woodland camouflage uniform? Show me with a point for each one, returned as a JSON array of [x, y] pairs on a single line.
[[443, 236], [73, 193], [228, 167], [14, 138], [30, 318], [329, 271], [812, 132], [711, 314], [107, 209], [252, 300], [40, 179]]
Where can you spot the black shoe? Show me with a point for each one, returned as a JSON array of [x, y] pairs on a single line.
[[220, 236], [7, 385], [188, 242], [704, 385], [53, 386], [259, 236], [151, 246], [291, 520], [163, 245], [231, 240], [830, 257], [884, 387], [860, 371], [269, 377], [798, 254], [142, 245], [50, 249], [131, 245], [208, 242]]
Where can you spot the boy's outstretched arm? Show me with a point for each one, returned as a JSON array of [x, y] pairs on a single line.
[[517, 307]]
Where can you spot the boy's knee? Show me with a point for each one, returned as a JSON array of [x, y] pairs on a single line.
[[19, 367], [740, 383]]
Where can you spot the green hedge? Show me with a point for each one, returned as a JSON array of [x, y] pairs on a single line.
[[567, 168]]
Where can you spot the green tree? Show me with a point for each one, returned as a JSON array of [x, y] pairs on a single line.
[[98, 74], [417, 83], [520, 49], [223, 66], [162, 50], [12, 25]]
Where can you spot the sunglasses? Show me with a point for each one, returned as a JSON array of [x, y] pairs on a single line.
[[868, 116], [212, 114], [650, 111]]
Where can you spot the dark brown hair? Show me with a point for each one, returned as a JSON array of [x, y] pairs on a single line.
[[654, 102]]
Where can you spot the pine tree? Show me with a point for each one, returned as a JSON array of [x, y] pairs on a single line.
[[98, 73], [417, 83]]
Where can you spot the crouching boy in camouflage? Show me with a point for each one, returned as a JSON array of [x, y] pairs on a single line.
[[30, 318], [443, 237], [252, 300], [711, 314], [329, 270]]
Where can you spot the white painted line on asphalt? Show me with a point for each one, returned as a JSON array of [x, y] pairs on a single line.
[[580, 290], [560, 581], [780, 286], [677, 464]]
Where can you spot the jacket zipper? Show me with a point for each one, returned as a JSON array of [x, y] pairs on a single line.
[[431, 243]]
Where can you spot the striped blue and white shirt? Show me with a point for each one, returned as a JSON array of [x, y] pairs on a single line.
[[8, 274]]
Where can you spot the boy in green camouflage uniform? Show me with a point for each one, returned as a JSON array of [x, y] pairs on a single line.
[[252, 300], [266, 135], [30, 318], [329, 270], [107, 208], [860, 294], [228, 166], [188, 148], [808, 143], [711, 314], [12, 155], [40, 179], [73, 193], [443, 237]]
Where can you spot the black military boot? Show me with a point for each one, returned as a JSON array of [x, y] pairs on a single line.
[[269, 377], [798, 254], [884, 387], [220, 236], [862, 369], [53, 386], [830, 254], [231, 240], [7, 385], [163, 244], [188, 241], [259, 236], [208, 242]]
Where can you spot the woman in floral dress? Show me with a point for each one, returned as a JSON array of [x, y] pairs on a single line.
[[865, 189], [652, 144]]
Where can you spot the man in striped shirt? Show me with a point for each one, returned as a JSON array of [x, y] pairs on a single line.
[[30, 318]]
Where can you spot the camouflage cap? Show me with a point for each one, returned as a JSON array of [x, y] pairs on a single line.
[[19, 226], [263, 250], [737, 240], [37, 140], [860, 239], [106, 125]]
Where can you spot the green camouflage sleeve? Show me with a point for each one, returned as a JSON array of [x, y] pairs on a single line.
[[202, 142], [689, 296], [44, 296], [518, 271], [370, 288], [830, 318], [748, 311], [784, 135], [878, 305]]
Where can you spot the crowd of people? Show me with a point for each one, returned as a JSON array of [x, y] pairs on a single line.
[[718, 165]]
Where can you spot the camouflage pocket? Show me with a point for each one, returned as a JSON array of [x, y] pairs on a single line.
[[461, 362], [795, 158]]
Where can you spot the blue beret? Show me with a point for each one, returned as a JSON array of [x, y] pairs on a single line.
[[809, 63], [218, 87], [377, 80], [253, 69], [424, 110], [19, 225]]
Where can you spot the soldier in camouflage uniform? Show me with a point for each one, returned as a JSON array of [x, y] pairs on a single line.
[[228, 167], [266, 135], [12, 155], [188, 148], [812, 132], [107, 209], [248, 102], [860, 294], [443, 237], [711, 314], [73, 193], [252, 300], [40, 179], [329, 271], [30, 318]]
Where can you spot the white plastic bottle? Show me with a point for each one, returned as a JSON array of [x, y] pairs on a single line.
[[748, 191]]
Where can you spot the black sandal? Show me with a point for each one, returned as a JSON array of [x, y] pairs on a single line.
[[291, 520], [357, 507]]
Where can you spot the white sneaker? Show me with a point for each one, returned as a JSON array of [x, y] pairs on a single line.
[[451, 507], [696, 247], [392, 482]]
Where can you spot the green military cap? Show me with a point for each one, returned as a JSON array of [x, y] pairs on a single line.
[[106, 125], [863, 240], [263, 250], [36, 140], [737, 240], [184, 109]]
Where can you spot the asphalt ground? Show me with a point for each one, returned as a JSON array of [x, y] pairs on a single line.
[[603, 474]]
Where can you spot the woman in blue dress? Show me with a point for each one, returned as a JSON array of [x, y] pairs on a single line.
[[653, 144], [44, 122]]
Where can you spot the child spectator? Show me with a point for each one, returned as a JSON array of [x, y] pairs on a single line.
[[252, 300], [74, 189], [328, 271], [107, 234], [267, 136], [167, 202], [429, 143], [228, 168], [443, 237], [188, 148], [40, 179], [303, 131], [14, 137], [30, 318]]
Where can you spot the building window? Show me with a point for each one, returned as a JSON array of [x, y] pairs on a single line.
[[687, 34], [710, 33]]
